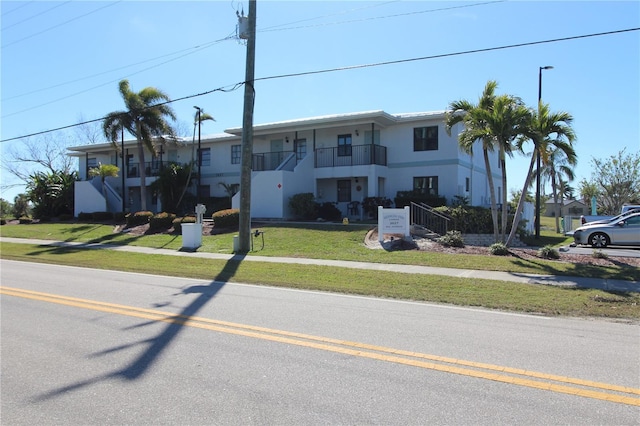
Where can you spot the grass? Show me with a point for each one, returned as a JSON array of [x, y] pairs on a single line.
[[336, 242]]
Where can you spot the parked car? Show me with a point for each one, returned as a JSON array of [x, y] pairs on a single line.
[[623, 231], [625, 212]]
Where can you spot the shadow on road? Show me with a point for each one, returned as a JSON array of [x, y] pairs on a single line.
[[158, 344]]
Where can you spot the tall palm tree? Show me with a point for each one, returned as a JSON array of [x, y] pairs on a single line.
[[200, 116], [496, 121], [103, 171], [557, 164], [145, 118], [507, 122], [548, 131], [472, 116]]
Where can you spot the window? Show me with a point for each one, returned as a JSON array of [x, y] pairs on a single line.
[[204, 155], [426, 185], [236, 152], [467, 184], [92, 162], [344, 191], [425, 138], [344, 145]]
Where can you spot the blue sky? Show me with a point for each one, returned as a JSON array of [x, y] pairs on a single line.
[[61, 62]]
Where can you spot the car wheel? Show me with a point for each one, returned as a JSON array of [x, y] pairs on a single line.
[[599, 240]]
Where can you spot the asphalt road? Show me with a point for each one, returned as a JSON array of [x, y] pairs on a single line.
[[84, 346], [615, 251]]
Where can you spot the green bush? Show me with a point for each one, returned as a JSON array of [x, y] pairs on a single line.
[[3, 221], [405, 198], [85, 217], [229, 218], [303, 206], [138, 218], [599, 254], [65, 217], [329, 211], [161, 221], [25, 220], [451, 239], [178, 221], [102, 216], [498, 249], [548, 252], [370, 205]]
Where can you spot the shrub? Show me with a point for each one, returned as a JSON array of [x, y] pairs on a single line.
[[161, 221], [548, 252], [85, 217], [303, 206], [65, 217], [102, 216], [498, 249], [599, 254], [451, 239], [3, 221], [178, 221], [370, 205], [138, 218], [229, 218], [25, 220], [119, 217], [328, 211]]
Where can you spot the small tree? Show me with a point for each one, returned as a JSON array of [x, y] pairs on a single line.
[[21, 206], [103, 171], [617, 181]]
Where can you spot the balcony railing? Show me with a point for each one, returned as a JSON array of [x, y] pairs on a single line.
[[267, 160], [151, 168], [354, 155]]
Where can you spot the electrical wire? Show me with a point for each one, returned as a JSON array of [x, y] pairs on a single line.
[[6, 27], [347, 68], [59, 25]]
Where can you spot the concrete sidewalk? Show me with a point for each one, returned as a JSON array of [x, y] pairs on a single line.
[[563, 281]]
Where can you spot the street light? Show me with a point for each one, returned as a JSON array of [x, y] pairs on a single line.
[[537, 224], [199, 157]]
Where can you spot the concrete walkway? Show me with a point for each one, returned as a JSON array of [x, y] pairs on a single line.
[[564, 281]]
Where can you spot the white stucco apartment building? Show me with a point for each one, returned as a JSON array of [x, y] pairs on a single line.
[[339, 158]]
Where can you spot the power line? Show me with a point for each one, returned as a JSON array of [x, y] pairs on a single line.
[[34, 16], [60, 24], [351, 67]]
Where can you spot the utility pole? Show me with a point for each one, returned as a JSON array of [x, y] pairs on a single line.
[[244, 233]]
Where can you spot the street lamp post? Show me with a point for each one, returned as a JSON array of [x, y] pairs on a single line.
[[537, 221], [199, 157]]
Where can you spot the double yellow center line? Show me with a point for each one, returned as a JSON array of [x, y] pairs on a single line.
[[514, 376]]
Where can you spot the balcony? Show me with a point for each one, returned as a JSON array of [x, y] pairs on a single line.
[[152, 169], [351, 155]]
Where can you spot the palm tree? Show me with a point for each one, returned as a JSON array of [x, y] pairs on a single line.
[[104, 171], [145, 118], [200, 116], [548, 131], [557, 164], [496, 121]]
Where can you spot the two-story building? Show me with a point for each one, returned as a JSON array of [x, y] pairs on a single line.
[[339, 158]]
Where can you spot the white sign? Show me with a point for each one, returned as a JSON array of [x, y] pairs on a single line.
[[393, 221]]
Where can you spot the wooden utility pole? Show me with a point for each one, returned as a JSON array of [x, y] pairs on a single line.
[[244, 233]]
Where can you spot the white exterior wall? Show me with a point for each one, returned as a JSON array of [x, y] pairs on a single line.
[[448, 163]]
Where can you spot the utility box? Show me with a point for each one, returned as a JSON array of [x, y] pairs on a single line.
[[191, 235]]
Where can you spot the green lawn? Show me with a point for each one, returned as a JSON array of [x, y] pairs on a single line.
[[344, 242]]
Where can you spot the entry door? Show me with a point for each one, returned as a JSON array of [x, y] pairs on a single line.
[[275, 158]]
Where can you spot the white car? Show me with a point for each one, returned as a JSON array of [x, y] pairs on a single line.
[[624, 231]]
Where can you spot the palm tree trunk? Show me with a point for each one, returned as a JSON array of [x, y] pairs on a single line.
[[143, 171], [558, 208], [503, 231], [516, 217], [492, 191]]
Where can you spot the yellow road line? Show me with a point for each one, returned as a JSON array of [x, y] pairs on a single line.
[[432, 362]]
